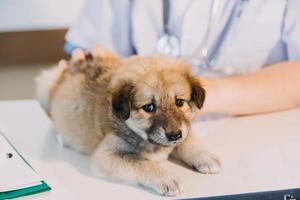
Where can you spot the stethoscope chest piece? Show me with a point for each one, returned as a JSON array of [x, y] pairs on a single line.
[[169, 45]]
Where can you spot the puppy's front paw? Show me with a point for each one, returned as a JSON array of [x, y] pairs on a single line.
[[166, 185], [207, 163]]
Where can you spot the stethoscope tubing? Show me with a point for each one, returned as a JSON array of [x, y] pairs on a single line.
[[213, 51]]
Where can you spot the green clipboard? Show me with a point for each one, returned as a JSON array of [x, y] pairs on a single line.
[[42, 187], [25, 191]]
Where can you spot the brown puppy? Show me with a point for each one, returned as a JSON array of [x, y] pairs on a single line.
[[128, 114]]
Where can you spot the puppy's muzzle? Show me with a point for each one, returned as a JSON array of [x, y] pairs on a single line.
[[173, 136]]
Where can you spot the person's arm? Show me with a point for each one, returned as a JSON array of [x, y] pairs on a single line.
[[273, 88], [103, 22]]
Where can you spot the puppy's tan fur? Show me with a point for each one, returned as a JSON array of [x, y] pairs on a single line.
[[97, 106]]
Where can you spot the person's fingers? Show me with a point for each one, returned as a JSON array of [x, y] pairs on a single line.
[[98, 51], [110, 54], [78, 54], [95, 51]]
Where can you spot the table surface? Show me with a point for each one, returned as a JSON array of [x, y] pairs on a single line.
[[258, 153]]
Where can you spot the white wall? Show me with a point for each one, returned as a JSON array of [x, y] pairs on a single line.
[[16, 15]]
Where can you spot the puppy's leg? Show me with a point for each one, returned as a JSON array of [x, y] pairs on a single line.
[[113, 159], [195, 155]]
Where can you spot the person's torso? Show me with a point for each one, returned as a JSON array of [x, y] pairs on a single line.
[[252, 41]]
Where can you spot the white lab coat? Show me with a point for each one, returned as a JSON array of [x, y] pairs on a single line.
[[266, 32]]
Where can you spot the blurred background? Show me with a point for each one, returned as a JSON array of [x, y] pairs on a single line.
[[31, 38]]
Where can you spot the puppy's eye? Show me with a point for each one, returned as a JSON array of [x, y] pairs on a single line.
[[149, 107], [179, 102]]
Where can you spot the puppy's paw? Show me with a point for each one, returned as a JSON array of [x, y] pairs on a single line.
[[166, 185], [207, 163]]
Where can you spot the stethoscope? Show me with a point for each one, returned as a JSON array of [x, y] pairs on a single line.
[[205, 55], [168, 43]]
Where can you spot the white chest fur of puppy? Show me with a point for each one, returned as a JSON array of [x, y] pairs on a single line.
[[128, 114]]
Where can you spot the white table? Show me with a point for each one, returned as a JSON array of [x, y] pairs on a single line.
[[258, 153]]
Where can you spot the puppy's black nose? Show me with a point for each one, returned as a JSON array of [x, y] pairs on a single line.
[[173, 136]]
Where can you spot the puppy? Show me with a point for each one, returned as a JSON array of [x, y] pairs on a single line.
[[128, 114]]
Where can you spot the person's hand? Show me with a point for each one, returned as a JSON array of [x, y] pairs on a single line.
[[273, 88], [95, 51]]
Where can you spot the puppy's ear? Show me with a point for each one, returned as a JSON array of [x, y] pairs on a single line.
[[121, 101], [198, 92]]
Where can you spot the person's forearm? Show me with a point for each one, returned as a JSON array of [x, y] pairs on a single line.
[[274, 88]]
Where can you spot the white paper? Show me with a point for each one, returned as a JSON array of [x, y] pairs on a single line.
[[15, 173]]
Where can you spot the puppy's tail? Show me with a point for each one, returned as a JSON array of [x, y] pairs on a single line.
[[46, 81]]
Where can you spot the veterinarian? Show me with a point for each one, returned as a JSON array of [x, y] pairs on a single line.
[[247, 52]]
